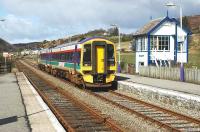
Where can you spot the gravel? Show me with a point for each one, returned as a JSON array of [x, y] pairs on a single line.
[[164, 102], [126, 120]]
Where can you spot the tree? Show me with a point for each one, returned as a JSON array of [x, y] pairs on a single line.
[[113, 31], [185, 22]]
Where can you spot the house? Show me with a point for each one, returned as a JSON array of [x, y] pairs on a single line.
[[159, 43]]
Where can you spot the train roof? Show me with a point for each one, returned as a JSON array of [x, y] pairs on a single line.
[[73, 43]]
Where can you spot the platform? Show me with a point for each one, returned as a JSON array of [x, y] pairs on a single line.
[[22, 109], [173, 92], [40, 117], [12, 111], [161, 83]]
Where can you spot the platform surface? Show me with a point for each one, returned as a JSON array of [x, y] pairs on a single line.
[[12, 110], [161, 83], [41, 118]]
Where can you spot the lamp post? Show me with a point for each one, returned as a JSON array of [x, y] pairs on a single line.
[[170, 4], [4, 54], [119, 47]]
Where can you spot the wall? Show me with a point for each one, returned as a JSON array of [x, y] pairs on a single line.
[[141, 57]]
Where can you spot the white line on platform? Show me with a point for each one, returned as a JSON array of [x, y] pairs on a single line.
[[56, 124]]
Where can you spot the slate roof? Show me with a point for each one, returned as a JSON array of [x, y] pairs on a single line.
[[146, 28]]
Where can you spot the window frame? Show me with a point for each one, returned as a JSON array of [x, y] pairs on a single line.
[[111, 63], [141, 44], [83, 62], [159, 42]]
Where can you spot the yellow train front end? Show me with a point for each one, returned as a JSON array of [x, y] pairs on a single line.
[[98, 62]]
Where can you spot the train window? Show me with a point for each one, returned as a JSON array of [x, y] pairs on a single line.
[[70, 57], [78, 57], [62, 57], [110, 55], [67, 56], [87, 55]]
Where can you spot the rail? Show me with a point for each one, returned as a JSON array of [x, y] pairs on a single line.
[[168, 119], [164, 118], [73, 114]]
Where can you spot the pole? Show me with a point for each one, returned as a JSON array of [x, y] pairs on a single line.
[[119, 48], [181, 46], [5, 68]]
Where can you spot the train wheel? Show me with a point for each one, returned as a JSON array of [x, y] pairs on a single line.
[[83, 84]]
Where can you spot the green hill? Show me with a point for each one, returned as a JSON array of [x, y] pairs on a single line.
[[5, 46]]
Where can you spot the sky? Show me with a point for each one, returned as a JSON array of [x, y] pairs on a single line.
[[38, 20]]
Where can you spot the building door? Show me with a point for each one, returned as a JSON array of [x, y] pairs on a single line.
[[100, 53]]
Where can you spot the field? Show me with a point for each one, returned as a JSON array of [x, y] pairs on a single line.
[[193, 60], [194, 51], [128, 57]]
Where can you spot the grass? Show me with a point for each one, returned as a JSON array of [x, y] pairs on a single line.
[[128, 57], [193, 60]]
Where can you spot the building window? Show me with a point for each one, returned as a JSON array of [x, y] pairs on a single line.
[[179, 47], [141, 44], [153, 43], [160, 43]]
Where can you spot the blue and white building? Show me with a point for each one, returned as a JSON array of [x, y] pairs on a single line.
[[159, 43]]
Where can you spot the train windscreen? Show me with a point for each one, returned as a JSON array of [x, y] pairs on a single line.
[[87, 55], [110, 55]]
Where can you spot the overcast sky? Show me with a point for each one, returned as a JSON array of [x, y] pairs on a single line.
[[37, 20]]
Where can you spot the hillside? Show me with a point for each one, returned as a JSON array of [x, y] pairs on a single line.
[[192, 23], [31, 45], [97, 32], [5, 46]]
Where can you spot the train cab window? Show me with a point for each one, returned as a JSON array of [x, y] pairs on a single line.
[[87, 55], [110, 55]]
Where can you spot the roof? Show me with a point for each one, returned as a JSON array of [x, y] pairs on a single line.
[[76, 42], [88, 39], [148, 27]]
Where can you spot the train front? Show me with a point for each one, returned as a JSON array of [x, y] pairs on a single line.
[[98, 62]]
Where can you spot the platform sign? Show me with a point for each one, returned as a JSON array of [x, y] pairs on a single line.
[[5, 54]]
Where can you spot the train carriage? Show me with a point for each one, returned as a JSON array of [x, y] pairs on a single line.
[[90, 62]]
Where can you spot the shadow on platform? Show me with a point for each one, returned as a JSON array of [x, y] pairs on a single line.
[[8, 120], [120, 78]]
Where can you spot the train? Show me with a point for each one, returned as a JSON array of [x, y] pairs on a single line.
[[90, 62]]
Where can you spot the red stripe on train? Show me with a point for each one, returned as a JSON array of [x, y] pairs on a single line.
[[65, 51]]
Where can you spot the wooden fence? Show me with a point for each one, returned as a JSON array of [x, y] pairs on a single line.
[[127, 68], [191, 75]]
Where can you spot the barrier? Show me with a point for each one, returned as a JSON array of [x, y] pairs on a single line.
[[5, 68], [190, 75]]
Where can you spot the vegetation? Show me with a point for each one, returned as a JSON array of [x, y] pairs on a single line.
[[1, 57], [128, 58]]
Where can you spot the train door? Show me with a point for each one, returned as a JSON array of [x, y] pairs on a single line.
[[100, 56]]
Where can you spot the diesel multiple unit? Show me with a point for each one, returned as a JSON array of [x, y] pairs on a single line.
[[90, 62]]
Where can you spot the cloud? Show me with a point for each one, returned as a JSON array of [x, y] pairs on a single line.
[[48, 19], [19, 29]]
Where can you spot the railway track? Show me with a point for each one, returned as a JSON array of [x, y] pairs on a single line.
[[164, 118], [73, 114]]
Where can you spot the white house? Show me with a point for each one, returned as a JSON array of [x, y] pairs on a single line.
[[159, 43]]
